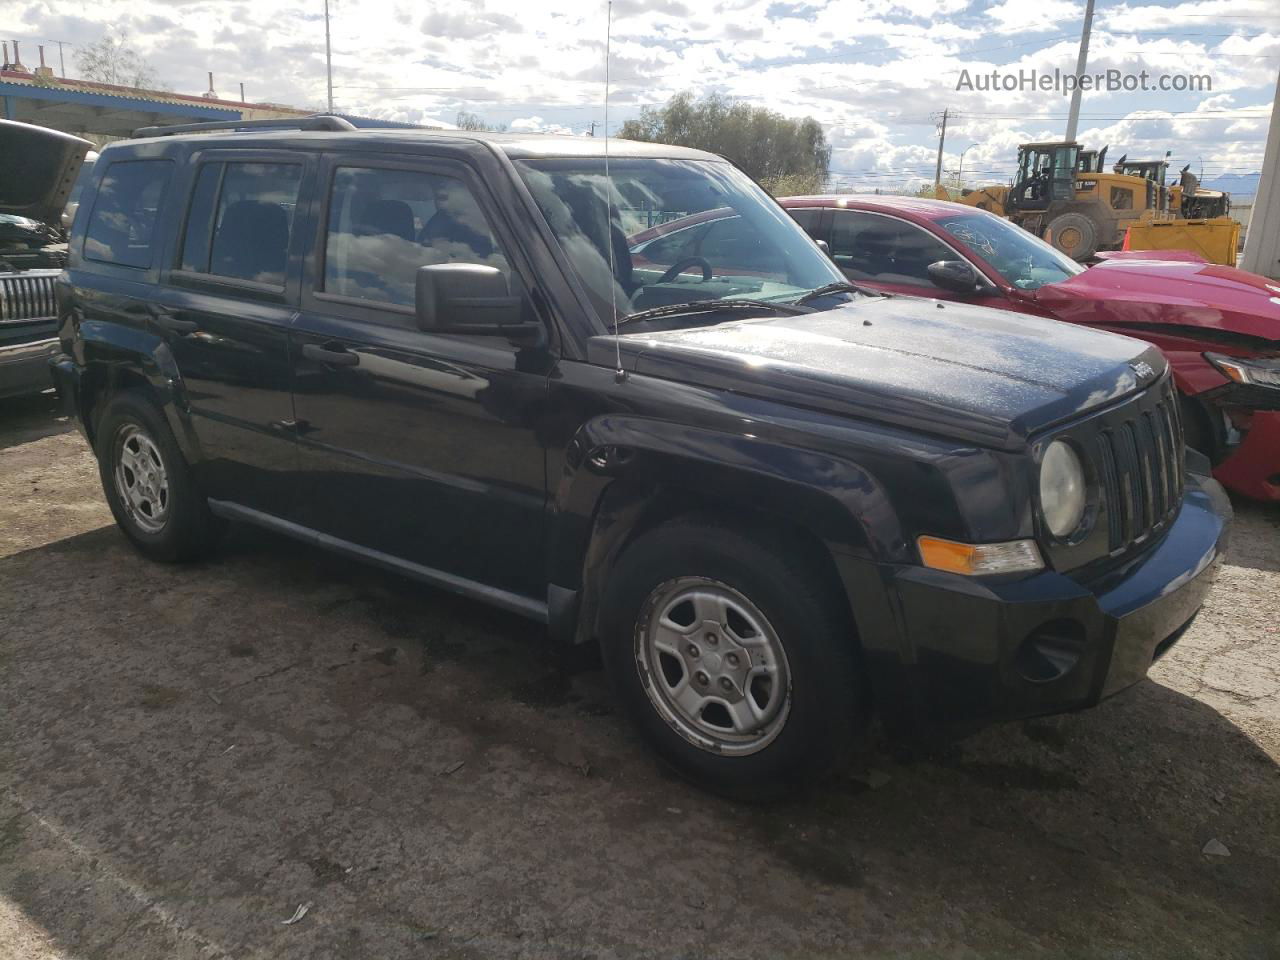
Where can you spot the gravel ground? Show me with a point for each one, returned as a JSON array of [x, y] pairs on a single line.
[[190, 753]]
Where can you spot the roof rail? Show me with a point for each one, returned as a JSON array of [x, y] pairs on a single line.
[[318, 121]]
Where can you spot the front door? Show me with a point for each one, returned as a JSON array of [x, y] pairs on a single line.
[[417, 446], [885, 253]]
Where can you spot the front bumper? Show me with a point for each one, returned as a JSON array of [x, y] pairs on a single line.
[[1253, 468], [66, 380], [973, 651], [24, 367]]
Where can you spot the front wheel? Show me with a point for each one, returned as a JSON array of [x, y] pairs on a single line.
[[736, 662], [1075, 235]]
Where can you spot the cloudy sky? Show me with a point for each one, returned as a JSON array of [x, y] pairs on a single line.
[[874, 72]]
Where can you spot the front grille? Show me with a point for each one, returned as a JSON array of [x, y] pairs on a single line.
[[1140, 463], [27, 296]]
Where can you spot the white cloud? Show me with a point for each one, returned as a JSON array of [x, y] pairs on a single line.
[[872, 72], [538, 125]]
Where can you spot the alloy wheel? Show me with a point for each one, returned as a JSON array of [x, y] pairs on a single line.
[[142, 482], [713, 666]]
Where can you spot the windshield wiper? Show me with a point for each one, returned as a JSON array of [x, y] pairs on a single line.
[[839, 286], [712, 306]]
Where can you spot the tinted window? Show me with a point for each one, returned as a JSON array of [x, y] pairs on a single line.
[[385, 224], [255, 212], [808, 218], [124, 212], [868, 246], [195, 245], [734, 245], [669, 248]]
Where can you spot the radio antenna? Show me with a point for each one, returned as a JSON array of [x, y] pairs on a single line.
[[619, 374]]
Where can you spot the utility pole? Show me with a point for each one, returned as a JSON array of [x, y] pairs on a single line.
[[1073, 115], [1262, 242], [960, 172], [62, 63], [328, 54], [942, 139]]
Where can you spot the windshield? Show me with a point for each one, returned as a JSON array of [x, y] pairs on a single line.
[[1023, 260], [680, 231]]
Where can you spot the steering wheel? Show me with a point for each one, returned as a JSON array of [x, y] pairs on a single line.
[[680, 266]]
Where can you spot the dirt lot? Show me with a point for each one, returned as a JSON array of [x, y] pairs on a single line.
[[188, 754]]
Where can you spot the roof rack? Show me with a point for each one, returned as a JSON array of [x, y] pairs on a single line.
[[318, 121]]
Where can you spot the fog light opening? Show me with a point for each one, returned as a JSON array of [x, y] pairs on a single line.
[[1050, 651]]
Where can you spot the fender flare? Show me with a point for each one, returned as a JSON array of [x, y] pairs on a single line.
[[624, 473], [113, 354]]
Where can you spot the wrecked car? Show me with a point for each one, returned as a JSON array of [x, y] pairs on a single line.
[[1218, 326], [38, 168]]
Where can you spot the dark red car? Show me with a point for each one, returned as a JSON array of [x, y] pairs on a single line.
[[1219, 326]]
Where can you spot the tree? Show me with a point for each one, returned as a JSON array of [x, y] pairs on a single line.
[[767, 145], [475, 123], [113, 60]]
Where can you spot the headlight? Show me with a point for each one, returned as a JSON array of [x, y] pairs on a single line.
[[1257, 372], [1062, 489]]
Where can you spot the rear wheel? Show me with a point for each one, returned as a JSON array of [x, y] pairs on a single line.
[[735, 661], [148, 484], [1075, 235]]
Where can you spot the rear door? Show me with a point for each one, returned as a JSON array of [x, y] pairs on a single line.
[[225, 307], [415, 445]]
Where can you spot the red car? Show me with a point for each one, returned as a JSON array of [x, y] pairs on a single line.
[[1219, 326]]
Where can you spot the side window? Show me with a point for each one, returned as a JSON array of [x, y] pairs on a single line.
[[124, 214], [868, 246], [734, 247], [385, 224], [195, 242], [808, 218], [240, 220], [669, 248]]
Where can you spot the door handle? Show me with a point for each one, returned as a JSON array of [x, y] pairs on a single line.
[[173, 323], [334, 356]]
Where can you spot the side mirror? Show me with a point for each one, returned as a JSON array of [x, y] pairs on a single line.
[[956, 276], [823, 246], [467, 298]]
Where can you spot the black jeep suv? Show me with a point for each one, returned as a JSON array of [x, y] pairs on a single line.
[[777, 501]]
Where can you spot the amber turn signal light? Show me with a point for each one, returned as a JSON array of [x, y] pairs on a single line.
[[979, 559]]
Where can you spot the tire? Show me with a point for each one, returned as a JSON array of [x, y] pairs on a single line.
[[1075, 235], [805, 714], [1198, 429], [148, 483]]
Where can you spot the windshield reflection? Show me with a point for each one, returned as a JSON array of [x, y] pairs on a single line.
[[1022, 259], [664, 232]]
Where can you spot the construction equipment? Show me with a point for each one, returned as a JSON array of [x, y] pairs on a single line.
[[1193, 202], [1061, 193]]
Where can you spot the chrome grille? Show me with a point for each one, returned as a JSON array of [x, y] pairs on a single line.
[[27, 296], [1140, 467]]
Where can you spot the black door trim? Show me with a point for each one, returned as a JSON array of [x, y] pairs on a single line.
[[514, 602]]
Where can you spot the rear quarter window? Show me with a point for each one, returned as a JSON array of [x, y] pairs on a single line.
[[126, 207]]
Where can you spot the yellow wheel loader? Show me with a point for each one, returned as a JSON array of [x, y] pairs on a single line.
[[1061, 193]]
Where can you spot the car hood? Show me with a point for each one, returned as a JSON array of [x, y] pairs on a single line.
[[1162, 292], [38, 167], [983, 376]]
